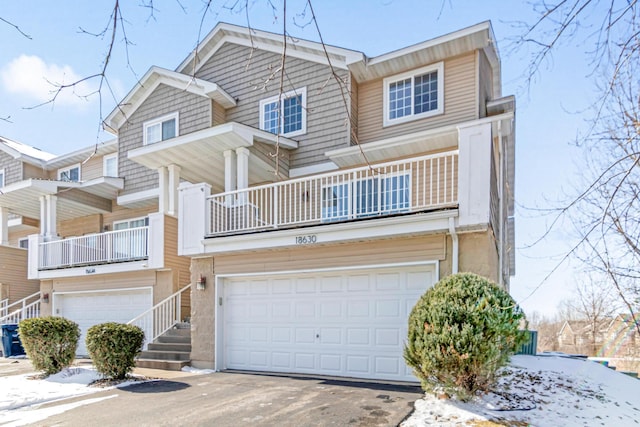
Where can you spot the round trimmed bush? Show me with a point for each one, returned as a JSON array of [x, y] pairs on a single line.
[[50, 342], [113, 348], [461, 332]]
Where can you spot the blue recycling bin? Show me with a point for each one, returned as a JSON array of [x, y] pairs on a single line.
[[11, 345]]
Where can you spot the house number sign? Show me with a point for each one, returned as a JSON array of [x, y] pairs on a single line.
[[306, 240]]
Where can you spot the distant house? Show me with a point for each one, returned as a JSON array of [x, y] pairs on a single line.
[[621, 338]]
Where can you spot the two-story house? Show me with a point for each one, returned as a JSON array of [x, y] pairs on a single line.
[[319, 204], [92, 255]]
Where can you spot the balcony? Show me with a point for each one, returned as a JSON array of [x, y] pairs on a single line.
[[132, 249], [109, 247], [412, 185]]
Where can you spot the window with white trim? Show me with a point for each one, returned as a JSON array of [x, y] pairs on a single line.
[[1, 178], [380, 195], [130, 223], [23, 243], [110, 165], [286, 114], [69, 174], [161, 128], [414, 95]]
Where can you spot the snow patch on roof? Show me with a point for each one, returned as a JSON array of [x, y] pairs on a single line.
[[27, 150]]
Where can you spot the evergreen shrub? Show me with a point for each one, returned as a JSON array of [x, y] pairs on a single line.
[[50, 342], [113, 348]]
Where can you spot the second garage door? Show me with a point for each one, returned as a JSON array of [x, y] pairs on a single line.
[[349, 323], [90, 308]]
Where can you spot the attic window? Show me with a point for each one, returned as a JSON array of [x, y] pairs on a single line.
[[286, 114], [69, 174], [414, 95], [161, 128]]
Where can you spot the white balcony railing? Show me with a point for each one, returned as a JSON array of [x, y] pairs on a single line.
[[26, 308], [112, 246], [416, 184]]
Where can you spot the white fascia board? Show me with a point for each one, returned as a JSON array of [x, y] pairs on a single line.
[[436, 222], [93, 270], [312, 169], [138, 197], [271, 42], [151, 80]]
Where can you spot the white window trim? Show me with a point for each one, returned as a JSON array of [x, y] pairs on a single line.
[[20, 241], [4, 178], [301, 91], [68, 168], [104, 163], [145, 125], [439, 67], [130, 220]]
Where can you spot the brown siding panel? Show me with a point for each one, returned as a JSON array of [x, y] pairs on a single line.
[[13, 275], [459, 103], [80, 226], [31, 171], [424, 248]]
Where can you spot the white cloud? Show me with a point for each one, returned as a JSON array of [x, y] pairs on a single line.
[[30, 76]]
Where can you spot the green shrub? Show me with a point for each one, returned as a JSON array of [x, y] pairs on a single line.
[[461, 332], [50, 342], [113, 348]]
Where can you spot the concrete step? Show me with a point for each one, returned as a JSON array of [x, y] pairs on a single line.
[[165, 355], [174, 339], [178, 332], [169, 346], [167, 365]]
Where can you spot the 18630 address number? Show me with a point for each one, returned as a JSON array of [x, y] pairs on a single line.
[[309, 239]]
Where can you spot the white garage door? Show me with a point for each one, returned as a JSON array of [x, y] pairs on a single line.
[[346, 323], [90, 308]]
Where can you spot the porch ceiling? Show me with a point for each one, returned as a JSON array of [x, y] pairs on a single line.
[[23, 198], [200, 155]]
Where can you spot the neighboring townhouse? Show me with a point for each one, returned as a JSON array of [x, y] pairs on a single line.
[[93, 257], [18, 162], [316, 216]]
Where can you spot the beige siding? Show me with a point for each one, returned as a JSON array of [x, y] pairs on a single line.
[[120, 213], [92, 168], [13, 275], [12, 168], [80, 226], [178, 265], [424, 248], [219, 115], [485, 83], [354, 111], [459, 103], [31, 171], [268, 154], [15, 236], [135, 279], [477, 254], [194, 114], [248, 76]]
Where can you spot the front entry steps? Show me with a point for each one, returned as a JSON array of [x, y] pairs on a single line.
[[170, 351]]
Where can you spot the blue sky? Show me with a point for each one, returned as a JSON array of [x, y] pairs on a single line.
[[58, 51]]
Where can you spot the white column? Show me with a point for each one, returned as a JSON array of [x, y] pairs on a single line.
[[474, 174], [51, 216], [193, 217], [229, 170], [242, 173], [43, 216], [4, 226], [163, 189], [174, 182]]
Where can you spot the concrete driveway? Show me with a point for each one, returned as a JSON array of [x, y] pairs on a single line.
[[241, 399]]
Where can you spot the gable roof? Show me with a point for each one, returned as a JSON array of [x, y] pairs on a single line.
[[150, 81], [24, 152], [479, 36]]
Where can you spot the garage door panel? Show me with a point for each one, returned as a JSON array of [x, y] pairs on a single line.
[[349, 323]]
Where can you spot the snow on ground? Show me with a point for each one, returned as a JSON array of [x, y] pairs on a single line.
[[542, 391], [22, 395]]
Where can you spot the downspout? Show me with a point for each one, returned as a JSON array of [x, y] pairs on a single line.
[[501, 206], [454, 247]]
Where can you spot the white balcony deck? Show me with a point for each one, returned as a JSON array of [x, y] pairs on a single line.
[[104, 248], [411, 185]]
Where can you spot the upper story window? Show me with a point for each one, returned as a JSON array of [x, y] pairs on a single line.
[[160, 129], [110, 165], [130, 223], [1, 178], [71, 173], [414, 95], [286, 114]]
